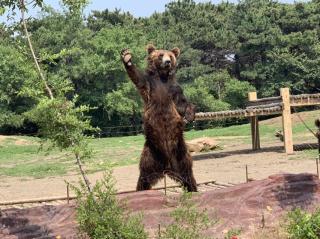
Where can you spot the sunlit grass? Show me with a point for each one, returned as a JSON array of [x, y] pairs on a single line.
[[20, 155]]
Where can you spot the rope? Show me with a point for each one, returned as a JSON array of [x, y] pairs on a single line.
[[304, 123]]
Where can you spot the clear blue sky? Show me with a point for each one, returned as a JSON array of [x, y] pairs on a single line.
[[139, 8]]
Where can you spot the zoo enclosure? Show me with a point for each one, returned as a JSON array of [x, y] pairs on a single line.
[[279, 105]]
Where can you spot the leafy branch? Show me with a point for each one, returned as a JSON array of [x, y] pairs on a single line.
[[22, 11], [59, 119]]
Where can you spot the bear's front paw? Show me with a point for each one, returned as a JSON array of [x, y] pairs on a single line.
[[190, 113], [126, 57]]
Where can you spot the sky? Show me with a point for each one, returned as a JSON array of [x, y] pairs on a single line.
[[139, 8]]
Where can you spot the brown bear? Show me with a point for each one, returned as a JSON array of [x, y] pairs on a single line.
[[166, 111]]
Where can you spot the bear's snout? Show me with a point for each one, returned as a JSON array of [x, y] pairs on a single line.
[[166, 61]]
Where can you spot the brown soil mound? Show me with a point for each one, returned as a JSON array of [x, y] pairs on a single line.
[[241, 206], [39, 222]]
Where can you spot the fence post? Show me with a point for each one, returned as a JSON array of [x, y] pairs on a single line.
[[254, 121], [317, 123], [286, 120]]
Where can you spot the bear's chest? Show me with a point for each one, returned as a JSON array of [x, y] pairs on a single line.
[[160, 111], [162, 117]]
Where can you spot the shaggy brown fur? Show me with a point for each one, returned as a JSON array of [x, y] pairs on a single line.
[[165, 111]]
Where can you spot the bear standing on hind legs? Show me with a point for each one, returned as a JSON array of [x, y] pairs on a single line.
[[165, 111]]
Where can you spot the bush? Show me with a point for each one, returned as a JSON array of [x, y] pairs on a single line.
[[233, 233], [236, 93], [188, 221], [303, 225], [100, 216]]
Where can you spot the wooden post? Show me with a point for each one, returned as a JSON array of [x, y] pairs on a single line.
[[254, 125], [159, 230], [263, 221], [68, 197], [317, 123], [247, 174], [317, 165], [286, 120], [165, 184]]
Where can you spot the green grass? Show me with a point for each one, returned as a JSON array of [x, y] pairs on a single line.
[[238, 130], [14, 153], [310, 154], [20, 156], [38, 170]]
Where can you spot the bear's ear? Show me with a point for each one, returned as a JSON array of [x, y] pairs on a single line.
[[176, 51], [150, 48]]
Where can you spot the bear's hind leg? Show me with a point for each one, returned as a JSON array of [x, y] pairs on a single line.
[[184, 176], [189, 182], [151, 171], [185, 169]]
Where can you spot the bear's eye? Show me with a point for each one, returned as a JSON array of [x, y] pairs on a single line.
[[160, 55]]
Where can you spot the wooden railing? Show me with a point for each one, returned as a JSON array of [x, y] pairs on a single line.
[[267, 106]]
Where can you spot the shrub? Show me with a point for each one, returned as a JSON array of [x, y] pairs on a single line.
[[188, 221], [233, 233], [100, 216], [303, 225]]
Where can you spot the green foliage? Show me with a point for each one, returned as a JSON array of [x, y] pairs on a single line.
[[236, 92], [233, 233], [303, 225], [106, 19], [64, 124], [204, 100], [100, 215], [124, 103], [218, 91], [188, 221], [14, 70], [226, 50], [12, 4], [75, 6], [2, 10]]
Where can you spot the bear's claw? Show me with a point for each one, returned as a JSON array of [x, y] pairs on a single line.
[[126, 56]]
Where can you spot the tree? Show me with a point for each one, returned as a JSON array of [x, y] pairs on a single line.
[[224, 48], [58, 118], [125, 105], [15, 68]]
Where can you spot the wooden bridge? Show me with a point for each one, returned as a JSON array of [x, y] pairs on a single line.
[[267, 106]]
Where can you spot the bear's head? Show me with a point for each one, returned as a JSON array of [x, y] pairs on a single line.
[[162, 61]]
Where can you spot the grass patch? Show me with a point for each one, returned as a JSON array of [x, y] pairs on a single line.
[[38, 170], [238, 130], [20, 156], [11, 154], [309, 154]]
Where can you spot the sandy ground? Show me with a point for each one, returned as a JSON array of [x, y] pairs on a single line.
[[227, 165]]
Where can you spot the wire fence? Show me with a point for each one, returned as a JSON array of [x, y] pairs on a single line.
[[131, 130], [128, 130], [137, 129]]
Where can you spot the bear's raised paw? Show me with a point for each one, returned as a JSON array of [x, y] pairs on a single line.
[[126, 56]]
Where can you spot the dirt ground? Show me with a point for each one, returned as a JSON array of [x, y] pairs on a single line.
[[247, 206], [227, 166]]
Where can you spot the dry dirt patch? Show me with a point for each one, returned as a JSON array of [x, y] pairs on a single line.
[[3, 137], [17, 141], [227, 165]]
